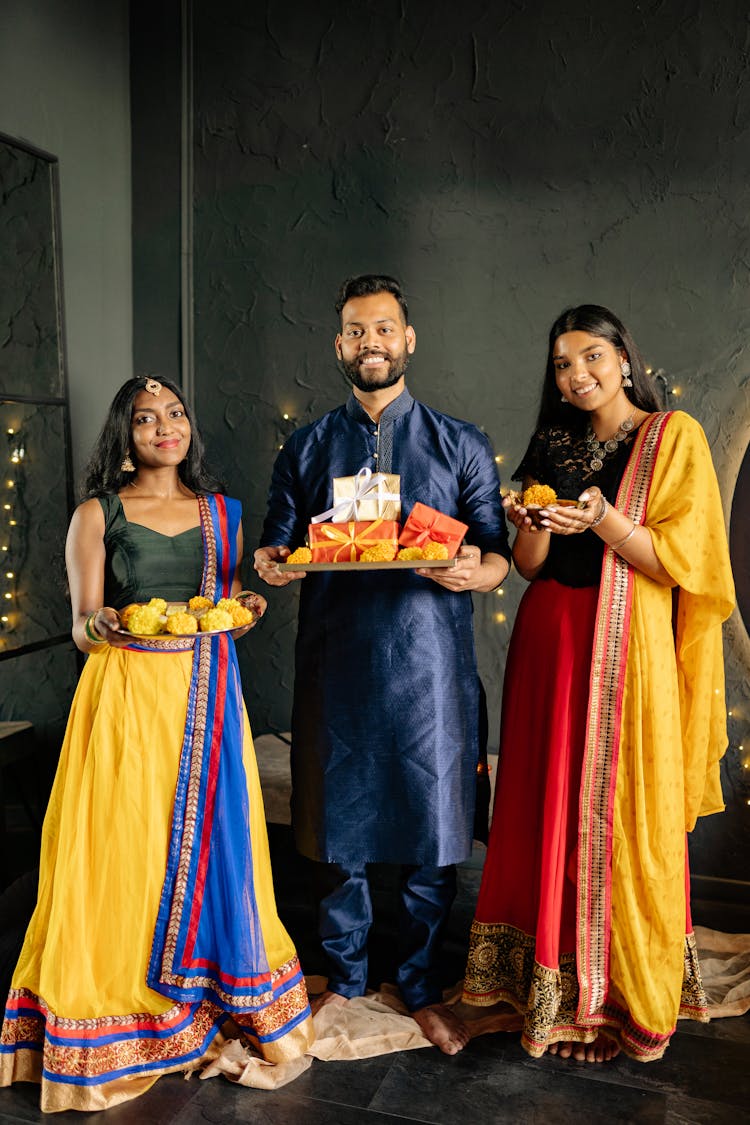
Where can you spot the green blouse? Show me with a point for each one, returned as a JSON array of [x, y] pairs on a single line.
[[143, 564]]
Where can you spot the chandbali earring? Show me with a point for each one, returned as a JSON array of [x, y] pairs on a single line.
[[127, 465], [626, 380], [563, 399]]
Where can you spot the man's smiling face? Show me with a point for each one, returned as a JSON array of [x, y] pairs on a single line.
[[374, 344]]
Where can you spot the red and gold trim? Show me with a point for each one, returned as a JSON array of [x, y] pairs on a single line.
[[502, 968], [609, 660]]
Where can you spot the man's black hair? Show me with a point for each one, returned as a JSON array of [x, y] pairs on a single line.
[[367, 285]]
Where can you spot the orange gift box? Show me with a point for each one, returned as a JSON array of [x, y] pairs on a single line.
[[345, 542], [426, 523]]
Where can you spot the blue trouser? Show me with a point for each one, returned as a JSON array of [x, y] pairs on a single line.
[[345, 917]]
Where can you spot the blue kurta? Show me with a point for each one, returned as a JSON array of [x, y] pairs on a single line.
[[386, 696]]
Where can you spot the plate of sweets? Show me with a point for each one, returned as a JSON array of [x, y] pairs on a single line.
[[198, 616], [429, 538], [381, 556], [539, 496]]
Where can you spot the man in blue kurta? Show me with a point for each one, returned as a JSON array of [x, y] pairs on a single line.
[[386, 698]]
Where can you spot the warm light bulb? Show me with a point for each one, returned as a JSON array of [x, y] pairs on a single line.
[[676, 391], [15, 459], [500, 617], [11, 431], [8, 597], [500, 593], [12, 523], [7, 507], [10, 574], [10, 483], [500, 459], [729, 714], [285, 417]]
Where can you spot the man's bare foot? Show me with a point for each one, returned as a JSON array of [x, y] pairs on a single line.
[[326, 998], [443, 1028], [603, 1049]]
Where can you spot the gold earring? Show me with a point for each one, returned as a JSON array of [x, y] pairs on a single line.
[[127, 465]]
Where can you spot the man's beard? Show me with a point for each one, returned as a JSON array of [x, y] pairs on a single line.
[[359, 378]]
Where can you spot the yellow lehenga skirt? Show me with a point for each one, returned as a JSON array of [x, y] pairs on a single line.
[[82, 1018]]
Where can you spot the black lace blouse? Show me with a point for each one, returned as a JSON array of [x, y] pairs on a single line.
[[561, 459]]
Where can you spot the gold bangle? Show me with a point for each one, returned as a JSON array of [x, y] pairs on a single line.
[[602, 513], [621, 542], [91, 631]]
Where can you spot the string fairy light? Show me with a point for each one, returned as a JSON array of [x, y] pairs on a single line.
[[9, 545], [286, 423]]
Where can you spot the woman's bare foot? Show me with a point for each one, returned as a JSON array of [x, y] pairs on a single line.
[[603, 1049], [443, 1028], [323, 999]]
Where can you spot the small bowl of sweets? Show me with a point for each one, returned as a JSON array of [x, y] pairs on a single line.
[[537, 497]]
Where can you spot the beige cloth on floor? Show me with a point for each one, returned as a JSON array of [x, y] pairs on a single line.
[[379, 1023], [376, 1024], [725, 968]]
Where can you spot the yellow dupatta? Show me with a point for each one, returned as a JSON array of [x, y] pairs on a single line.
[[667, 742]]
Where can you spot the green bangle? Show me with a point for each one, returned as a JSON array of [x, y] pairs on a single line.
[[91, 631]]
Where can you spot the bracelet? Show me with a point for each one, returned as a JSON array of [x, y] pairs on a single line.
[[623, 541], [92, 632], [605, 508]]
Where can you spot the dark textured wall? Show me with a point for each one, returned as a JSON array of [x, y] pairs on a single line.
[[504, 159]]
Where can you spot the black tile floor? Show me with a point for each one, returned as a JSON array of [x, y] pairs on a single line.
[[703, 1078]]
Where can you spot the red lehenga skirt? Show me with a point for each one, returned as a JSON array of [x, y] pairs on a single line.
[[524, 936]]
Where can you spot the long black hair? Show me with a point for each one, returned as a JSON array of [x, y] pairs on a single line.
[[104, 475], [600, 322]]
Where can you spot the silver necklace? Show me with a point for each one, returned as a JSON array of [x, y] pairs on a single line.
[[598, 450]]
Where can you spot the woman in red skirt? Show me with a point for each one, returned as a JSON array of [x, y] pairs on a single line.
[[613, 712]]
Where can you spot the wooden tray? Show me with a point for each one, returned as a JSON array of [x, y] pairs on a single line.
[[395, 564]]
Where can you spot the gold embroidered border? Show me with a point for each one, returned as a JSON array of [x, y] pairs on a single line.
[[164, 643], [192, 803], [209, 539], [103, 1023], [603, 733], [93, 1060], [693, 1002], [502, 968]]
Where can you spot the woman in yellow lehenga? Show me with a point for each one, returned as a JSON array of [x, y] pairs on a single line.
[[156, 921], [613, 713]]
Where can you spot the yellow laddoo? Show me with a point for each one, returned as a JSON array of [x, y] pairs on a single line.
[[240, 614], [541, 494], [146, 620], [126, 613], [301, 555], [215, 619], [181, 623], [433, 550], [199, 602], [379, 552]]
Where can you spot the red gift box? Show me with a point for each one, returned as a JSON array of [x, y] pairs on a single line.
[[426, 524], [345, 542]]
